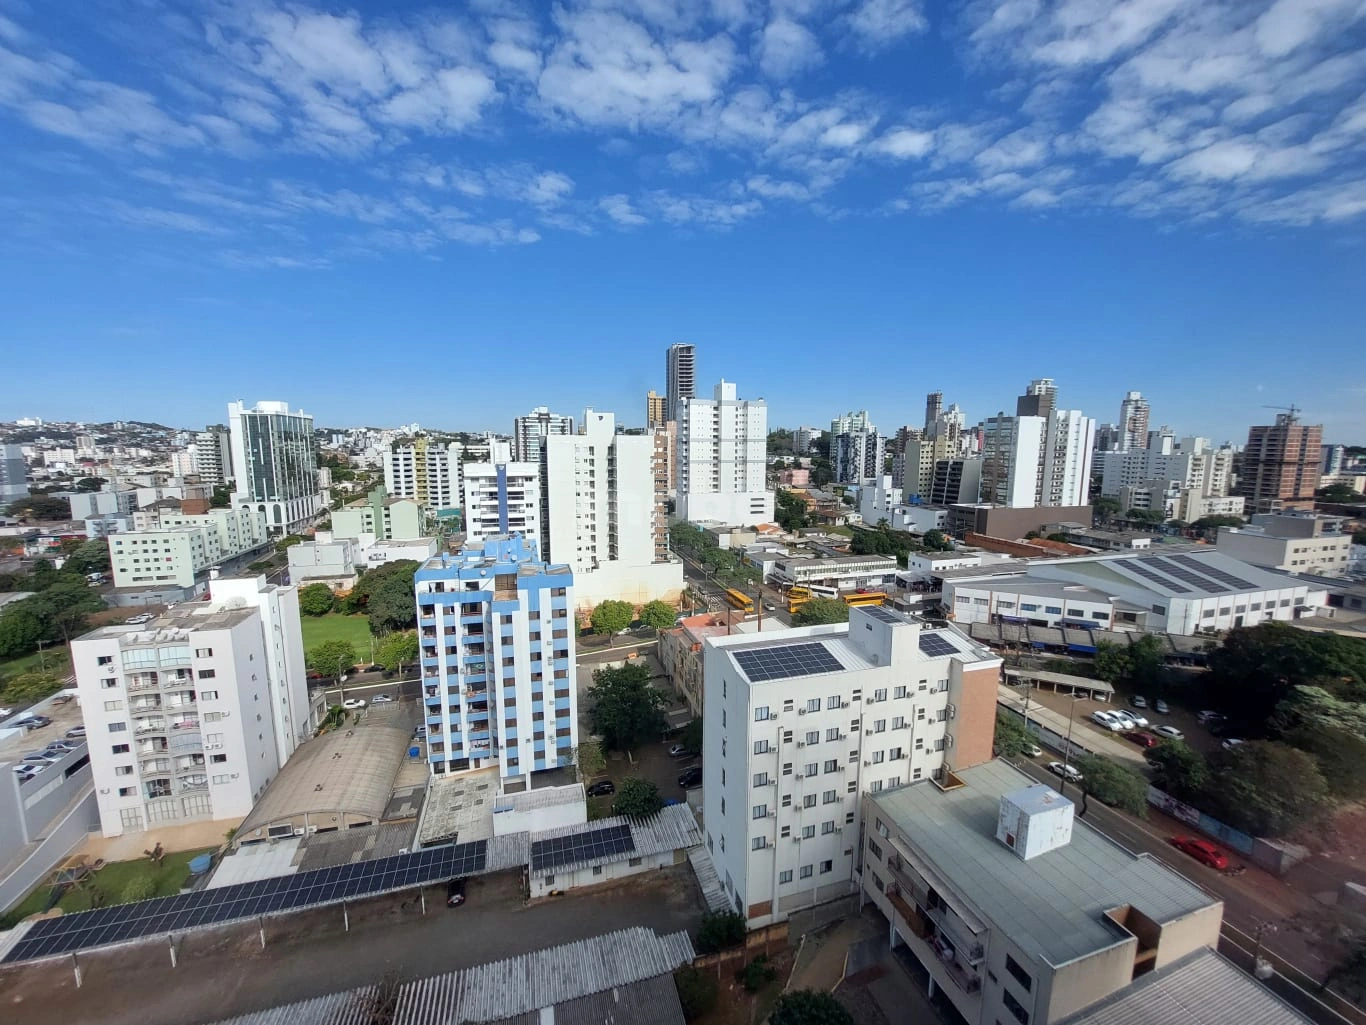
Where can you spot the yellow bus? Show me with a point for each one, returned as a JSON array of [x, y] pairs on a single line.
[[798, 591], [739, 600], [860, 598]]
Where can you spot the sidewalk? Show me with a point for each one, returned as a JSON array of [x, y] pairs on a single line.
[[820, 963]]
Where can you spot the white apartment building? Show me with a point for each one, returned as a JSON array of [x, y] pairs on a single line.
[[13, 474], [844, 573], [426, 472], [171, 548], [190, 716], [1065, 475], [497, 633], [213, 455], [847, 423], [503, 496], [1031, 461], [856, 455], [680, 376], [919, 458], [528, 432], [109, 501], [382, 516], [722, 459], [605, 514], [1200, 467], [275, 464], [799, 724], [881, 501], [1194, 506], [1133, 421]]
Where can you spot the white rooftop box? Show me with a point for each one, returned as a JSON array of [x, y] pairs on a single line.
[[1034, 820]]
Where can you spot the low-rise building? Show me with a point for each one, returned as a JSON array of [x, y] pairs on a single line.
[[1295, 541], [381, 552], [1010, 521], [169, 548], [382, 516], [1015, 910], [108, 502], [680, 649], [1107, 540], [1194, 506], [324, 560], [844, 573], [800, 724]]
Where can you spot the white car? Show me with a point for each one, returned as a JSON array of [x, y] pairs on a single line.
[[1067, 772], [1169, 732], [5, 713], [381, 699], [353, 704], [1231, 743], [1107, 720], [1139, 719], [1125, 719], [1138, 701]]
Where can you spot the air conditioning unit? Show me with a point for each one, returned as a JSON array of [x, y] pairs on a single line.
[[844, 704], [801, 743], [867, 762], [773, 814], [799, 776], [868, 733], [772, 716], [773, 782], [801, 711]]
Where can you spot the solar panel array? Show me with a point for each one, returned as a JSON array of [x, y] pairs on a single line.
[[935, 645], [247, 900], [577, 848], [1137, 566], [1190, 562], [1202, 583], [885, 615], [786, 661]]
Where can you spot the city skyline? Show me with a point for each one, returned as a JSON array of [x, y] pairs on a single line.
[[1164, 198]]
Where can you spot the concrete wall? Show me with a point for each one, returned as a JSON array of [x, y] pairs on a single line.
[[1082, 982], [590, 875], [974, 727], [1196, 930], [63, 836], [998, 521]]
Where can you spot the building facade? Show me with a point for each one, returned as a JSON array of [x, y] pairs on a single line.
[[1281, 465], [189, 717], [801, 723], [956, 481], [1133, 421], [680, 376], [496, 626], [426, 471], [856, 455], [213, 455], [605, 513], [275, 464], [656, 410], [13, 474], [530, 431], [1294, 541], [171, 548], [503, 495], [722, 459], [385, 517]]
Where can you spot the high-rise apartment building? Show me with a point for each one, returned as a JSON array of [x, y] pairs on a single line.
[[1133, 421], [426, 471], [13, 474], [503, 496], [496, 627], [1333, 457], [850, 422], [1037, 460], [1280, 468], [680, 375], [190, 716], [213, 455], [528, 432], [656, 410], [918, 461], [605, 513], [802, 439], [934, 408], [856, 455], [1199, 467], [275, 464], [800, 724], [1069, 442], [722, 459], [956, 481], [1039, 398]]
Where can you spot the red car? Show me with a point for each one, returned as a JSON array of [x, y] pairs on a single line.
[[1201, 850], [1142, 738]]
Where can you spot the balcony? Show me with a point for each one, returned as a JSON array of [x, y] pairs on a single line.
[[186, 743], [192, 785], [142, 682], [186, 765], [155, 767], [145, 707], [185, 724], [150, 726]]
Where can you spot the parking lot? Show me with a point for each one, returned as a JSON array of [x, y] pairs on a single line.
[[1196, 735]]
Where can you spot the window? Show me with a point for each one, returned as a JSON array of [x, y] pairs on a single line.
[[833, 701], [218, 759], [120, 749], [1053, 610], [920, 715], [832, 765], [127, 791], [113, 706], [900, 692], [203, 653], [213, 716], [1014, 1006], [899, 723], [761, 713], [785, 876], [808, 832], [597, 870], [810, 768], [896, 753], [809, 801], [105, 660], [123, 770], [759, 811], [813, 705], [207, 674], [787, 800], [853, 786], [220, 779], [118, 727], [833, 733], [878, 757], [208, 695], [787, 736], [830, 797], [787, 768], [806, 872], [109, 683], [880, 694], [787, 705], [827, 866], [813, 736], [758, 843], [876, 786], [785, 831], [1019, 974], [880, 726], [761, 747], [874, 849]]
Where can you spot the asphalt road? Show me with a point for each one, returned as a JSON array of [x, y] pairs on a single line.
[[697, 577]]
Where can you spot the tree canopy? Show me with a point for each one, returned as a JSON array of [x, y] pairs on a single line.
[[1114, 784], [89, 557], [1012, 739], [1180, 770], [40, 507], [936, 541], [1258, 667], [1330, 729], [331, 658], [627, 711], [637, 798], [789, 510], [1265, 788], [1338, 492], [316, 600], [385, 594], [821, 610], [611, 617], [397, 650], [90, 483], [809, 1007], [1135, 666], [658, 615]]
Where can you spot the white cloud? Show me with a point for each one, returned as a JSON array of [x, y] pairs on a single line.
[[619, 208], [904, 143], [1023, 148], [787, 48], [763, 185], [549, 188], [880, 23], [452, 99]]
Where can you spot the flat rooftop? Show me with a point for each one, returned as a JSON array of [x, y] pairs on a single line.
[[1052, 905], [1045, 588], [175, 624]]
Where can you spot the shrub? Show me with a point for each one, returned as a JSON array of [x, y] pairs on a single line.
[[139, 888], [720, 931], [697, 991], [757, 974]]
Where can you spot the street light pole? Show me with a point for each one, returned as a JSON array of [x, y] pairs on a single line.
[[1067, 744]]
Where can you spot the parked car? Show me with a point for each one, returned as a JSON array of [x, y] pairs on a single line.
[[677, 751], [455, 892], [602, 788], [382, 699], [1201, 850], [1138, 701], [352, 704], [61, 747], [1231, 743], [1033, 750], [690, 777], [5, 713], [1142, 738], [1125, 719], [75, 733], [1107, 720], [770, 607], [1169, 732], [1067, 772], [31, 722], [1160, 707], [1208, 715]]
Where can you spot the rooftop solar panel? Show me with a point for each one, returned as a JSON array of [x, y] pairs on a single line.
[[593, 845], [785, 661], [1202, 566], [936, 645], [246, 900], [1137, 566], [885, 615], [1202, 582]]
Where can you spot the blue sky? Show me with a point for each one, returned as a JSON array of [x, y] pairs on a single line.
[[387, 212]]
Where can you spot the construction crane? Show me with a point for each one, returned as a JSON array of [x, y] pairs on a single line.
[[1293, 410]]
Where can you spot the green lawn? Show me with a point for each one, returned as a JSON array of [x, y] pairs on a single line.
[[58, 661], [336, 627], [111, 882]]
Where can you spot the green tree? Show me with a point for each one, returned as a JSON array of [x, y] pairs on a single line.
[[21, 629], [697, 991], [809, 1007], [658, 615], [316, 600], [691, 737], [1114, 784], [391, 605], [27, 688], [821, 610], [720, 930], [331, 658], [611, 617], [90, 483], [1348, 975], [397, 650], [1338, 492], [1180, 770], [637, 798], [1112, 662], [936, 541], [1266, 788], [89, 557], [1255, 668], [1012, 739], [288, 542], [756, 974], [40, 507], [1103, 510], [789, 510], [1211, 524], [626, 709], [1330, 729], [589, 760], [1359, 537], [221, 497]]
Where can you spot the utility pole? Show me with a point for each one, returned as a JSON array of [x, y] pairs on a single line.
[[1067, 744]]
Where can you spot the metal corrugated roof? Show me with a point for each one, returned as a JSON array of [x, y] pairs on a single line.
[[1203, 989], [349, 1007]]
